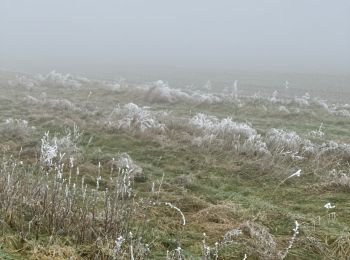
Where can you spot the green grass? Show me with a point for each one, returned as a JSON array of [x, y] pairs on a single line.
[[213, 178]]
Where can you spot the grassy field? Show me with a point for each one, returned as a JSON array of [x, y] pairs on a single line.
[[144, 171]]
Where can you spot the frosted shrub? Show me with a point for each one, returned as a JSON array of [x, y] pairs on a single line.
[[222, 128], [118, 86], [204, 140], [274, 97], [56, 79], [124, 161], [239, 136], [48, 150], [317, 133], [255, 144], [281, 140], [338, 178], [322, 103], [303, 101], [339, 112], [55, 148], [291, 143], [160, 91], [131, 116], [205, 98], [68, 143], [335, 149], [283, 109]]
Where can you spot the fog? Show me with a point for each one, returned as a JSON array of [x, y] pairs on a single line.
[[114, 36]]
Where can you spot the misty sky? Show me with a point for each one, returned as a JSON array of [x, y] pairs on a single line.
[[285, 35]]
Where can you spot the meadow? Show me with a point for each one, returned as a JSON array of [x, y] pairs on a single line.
[[103, 169]]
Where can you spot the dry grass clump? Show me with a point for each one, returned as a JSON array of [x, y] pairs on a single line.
[[217, 219], [227, 214], [57, 203], [260, 240], [313, 243], [340, 248]]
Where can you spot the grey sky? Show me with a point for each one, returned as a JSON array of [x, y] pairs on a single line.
[[286, 35]]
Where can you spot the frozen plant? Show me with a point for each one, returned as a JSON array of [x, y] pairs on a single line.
[[283, 109], [124, 161], [118, 245], [329, 206], [131, 116], [292, 240], [274, 97], [159, 91], [52, 147], [255, 144], [282, 140], [178, 210], [57, 79], [231, 235], [16, 127], [222, 128], [206, 248], [317, 133], [303, 101], [48, 150], [285, 142]]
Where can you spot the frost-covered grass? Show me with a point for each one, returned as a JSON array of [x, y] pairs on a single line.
[[133, 117], [148, 180], [16, 128]]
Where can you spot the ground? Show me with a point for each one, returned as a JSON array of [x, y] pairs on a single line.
[[219, 186]]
